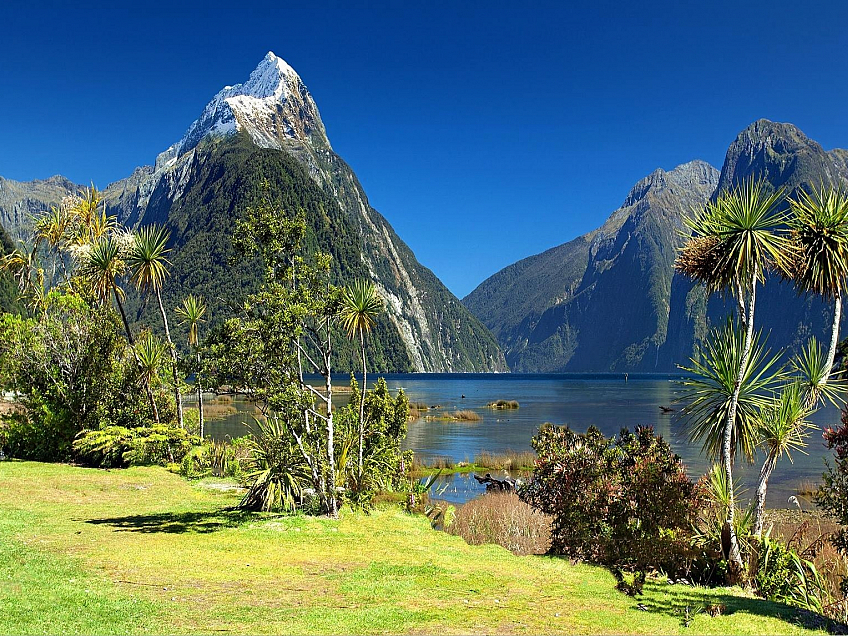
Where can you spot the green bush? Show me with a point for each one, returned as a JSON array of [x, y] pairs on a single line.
[[624, 502], [118, 446], [782, 575], [219, 459], [74, 371]]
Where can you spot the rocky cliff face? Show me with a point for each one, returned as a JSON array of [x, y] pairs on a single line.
[[275, 110], [600, 302]]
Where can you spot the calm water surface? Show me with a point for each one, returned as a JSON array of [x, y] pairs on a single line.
[[606, 401]]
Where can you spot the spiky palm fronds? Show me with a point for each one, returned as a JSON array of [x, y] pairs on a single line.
[[819, 233], [708, 395], [53, 226], [151, 354], [735, 238], [192, 311], [361, 303], [146, 258], [276, 470], [784, 423], [813, 372], [103, 267]]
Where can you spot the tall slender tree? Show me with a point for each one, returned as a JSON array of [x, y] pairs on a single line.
[[148, 271], [735, 239], [361, 303], [192, 311], [783, 426], [819, 261], [150, 352]]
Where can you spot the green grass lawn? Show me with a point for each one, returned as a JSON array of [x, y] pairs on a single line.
[[143, 551]]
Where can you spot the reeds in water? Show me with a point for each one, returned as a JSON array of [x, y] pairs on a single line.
[[507, 460]]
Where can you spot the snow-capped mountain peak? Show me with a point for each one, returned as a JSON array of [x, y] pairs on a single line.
[[273, 106]]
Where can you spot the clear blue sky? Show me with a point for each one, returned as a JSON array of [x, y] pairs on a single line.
[[485, 132]]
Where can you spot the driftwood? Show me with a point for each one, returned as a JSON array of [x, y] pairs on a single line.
[[507, 484]]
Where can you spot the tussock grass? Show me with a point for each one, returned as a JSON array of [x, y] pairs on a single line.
[[502, 518], [466, 415], [806, 489], [218, 411], [434, 463], [143, 551], [507, 460], [503, 404]]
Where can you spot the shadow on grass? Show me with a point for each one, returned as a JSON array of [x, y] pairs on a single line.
[[180, 522], [684, 603]]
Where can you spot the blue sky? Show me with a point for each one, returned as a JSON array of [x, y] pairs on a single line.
[[484, 131]]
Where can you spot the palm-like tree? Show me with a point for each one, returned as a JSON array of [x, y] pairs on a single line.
[[148, 271], [782, 427], [192, 311], [103, 267], [53, 228], [734, 241], [150, 352], [819, 263], [708, 394], [89, 222], [361, 303]]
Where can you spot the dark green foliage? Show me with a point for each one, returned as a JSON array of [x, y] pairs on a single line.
[[624, 502], [119, 447], [217, 458], [275, 470], [782, 575], [74, 371], [384, 463]]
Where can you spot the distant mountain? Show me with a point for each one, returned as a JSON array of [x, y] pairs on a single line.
[[599, 302], [610, 300], [789, 159], [269, 128]]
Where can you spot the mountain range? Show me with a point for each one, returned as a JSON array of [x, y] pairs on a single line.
[[610, 300], [265, 137]]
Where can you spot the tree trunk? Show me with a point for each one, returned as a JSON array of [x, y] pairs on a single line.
[[124, 318], [834, 335], [152, 401], [737, 567], [362, 402], [332, 500], [199, 396], [131, 340], [177, 395], [765, 473]]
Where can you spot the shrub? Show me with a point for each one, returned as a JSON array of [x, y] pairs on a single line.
[[502, 518], [118, 447], [503, 404], [624, 502], [276, 472], [782, 575], [832, 495], [216, 458]]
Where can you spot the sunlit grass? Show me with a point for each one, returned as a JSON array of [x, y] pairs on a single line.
[[142, 550]]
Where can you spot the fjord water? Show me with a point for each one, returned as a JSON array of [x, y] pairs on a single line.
[[606, 401]]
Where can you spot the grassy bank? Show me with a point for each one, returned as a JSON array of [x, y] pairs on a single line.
[[141, 551]]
